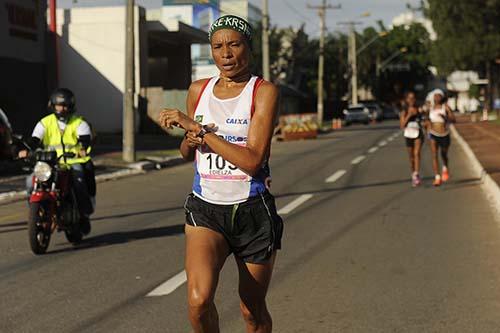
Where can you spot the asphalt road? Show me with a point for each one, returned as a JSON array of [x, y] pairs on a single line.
[[363, 252]]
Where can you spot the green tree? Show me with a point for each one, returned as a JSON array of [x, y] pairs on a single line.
[[468, 36], [390, 84]]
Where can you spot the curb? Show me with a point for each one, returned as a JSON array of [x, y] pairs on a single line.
[[138, 168], [489, 186]]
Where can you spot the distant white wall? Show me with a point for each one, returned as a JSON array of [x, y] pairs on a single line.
[[92, 49], [22, 30], [234, 7]]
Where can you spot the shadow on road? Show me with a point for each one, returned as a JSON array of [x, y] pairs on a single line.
[[450, 185], [144, 212], [14, 224], [122, 237], [369, 128], [22, 224]]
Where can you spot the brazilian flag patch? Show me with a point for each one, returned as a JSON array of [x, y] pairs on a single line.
[[198, 119]]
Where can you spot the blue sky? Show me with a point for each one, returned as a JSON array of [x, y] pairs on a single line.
[[285, 13]]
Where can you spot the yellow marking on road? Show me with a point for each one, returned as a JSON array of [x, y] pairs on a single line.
[[13, 217]]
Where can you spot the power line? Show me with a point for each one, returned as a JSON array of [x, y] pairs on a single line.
[[298, 13]]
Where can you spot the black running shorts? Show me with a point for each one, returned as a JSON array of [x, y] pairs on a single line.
[[411, 142], [442, 141], [252, 229]]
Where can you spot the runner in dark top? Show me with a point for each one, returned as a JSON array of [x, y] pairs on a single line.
[[411, 123]]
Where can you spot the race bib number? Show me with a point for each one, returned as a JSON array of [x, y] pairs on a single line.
[[412, 130], [212, 166]]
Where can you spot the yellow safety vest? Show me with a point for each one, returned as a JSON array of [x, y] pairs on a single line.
[[55, 139]]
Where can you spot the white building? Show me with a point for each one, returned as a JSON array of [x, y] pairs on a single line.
[[202, 16], [92, 48], [23, 63]]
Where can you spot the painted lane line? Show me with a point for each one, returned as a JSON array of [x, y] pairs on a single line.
[[372, 150], [358, 159], [336, 176], [382, 143], [294, 204], [390, 138], [170, 285]]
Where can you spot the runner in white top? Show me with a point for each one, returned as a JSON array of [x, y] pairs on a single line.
[[229, 126], [216, 180], [440, 116]]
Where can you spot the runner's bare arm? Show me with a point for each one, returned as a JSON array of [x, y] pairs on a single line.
[[450, 115], [403, 119], [188, 150], [250, 158]]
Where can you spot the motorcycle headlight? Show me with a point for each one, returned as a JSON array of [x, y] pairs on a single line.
[[42, 171]]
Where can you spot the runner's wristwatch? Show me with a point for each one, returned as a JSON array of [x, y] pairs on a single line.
[[204, 130]]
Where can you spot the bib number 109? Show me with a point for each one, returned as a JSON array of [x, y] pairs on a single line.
[[217, 162]]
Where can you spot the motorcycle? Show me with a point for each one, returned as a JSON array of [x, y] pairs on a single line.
[[52, 204]]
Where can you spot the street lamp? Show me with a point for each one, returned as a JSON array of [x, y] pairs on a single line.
[[381, 34], [381, 66], [386, 62]]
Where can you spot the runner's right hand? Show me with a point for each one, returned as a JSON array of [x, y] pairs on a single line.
[[192, 140]]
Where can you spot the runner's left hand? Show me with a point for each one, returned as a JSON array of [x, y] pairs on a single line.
[[174, 117]]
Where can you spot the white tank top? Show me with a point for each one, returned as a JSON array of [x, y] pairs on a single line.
[[438, 116], [216, 180]]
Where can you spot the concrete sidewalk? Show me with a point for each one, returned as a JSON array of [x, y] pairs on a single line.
[[480, 142], [484, 140], [153, 152]]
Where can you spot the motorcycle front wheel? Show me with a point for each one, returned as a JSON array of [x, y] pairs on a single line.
[[38, 228]]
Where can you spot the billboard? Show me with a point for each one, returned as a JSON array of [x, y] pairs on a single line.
[[204, 11], [22, 29], [213, 3]]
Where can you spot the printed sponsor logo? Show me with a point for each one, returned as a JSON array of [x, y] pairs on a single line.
[[236, 121], [234, 138]]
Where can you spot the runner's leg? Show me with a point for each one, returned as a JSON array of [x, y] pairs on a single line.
[[206, 252], [254, 281], [416, 155], [435, 161], [444, 156], [411, 156]]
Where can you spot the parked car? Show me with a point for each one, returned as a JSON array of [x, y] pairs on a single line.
[[390, 112], [356, 114], [5, 137], [376, 112]]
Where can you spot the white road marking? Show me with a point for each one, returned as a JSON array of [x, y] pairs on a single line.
[[294, 204], [390, 138], [336, 176], [372, 150], [358, 159], [170, 285], [382, 143]]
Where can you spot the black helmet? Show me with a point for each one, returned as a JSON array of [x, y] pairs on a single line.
[[62, 96]]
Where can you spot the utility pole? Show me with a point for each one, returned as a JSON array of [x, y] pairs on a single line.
[[128, 100], [352, 59], [354, 64], [321, 60], [53, 30], [265, 41]]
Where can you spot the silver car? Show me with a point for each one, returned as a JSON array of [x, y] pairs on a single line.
[[357, 114]]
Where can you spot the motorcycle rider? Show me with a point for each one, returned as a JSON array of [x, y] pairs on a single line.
[[63, 129]]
